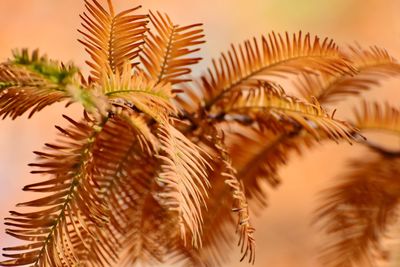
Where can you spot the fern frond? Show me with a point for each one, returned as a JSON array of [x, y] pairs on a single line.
[[275, 55], [218, 227], [166, 54], [149, 236], [184, 174], [124, 174], [226, 198], [111, 39], [377, 117], [372, 65], [32, 82], [138, 92], [266, 101], [357, 212], [71, 201]]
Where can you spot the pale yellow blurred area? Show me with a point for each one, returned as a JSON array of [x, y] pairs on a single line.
[[284, 235]]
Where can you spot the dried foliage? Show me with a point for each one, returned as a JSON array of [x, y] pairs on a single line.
[[111, 39], [166, 52], [159, 171], [357, 212], [378, 117], [372, 65], [274, 55]]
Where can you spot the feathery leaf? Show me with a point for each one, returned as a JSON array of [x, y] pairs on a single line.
[[184, 174], [166, 52], [244, 66], [71, 201], [111, 39], [123, 175], [272, 103]]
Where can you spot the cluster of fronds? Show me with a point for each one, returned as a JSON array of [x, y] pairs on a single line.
[[157, 170]]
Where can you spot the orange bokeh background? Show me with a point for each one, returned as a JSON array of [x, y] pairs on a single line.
[[284, 235]]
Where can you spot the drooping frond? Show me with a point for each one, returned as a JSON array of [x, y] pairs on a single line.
[[184, 174], [266, 102], [275, 55], [218, 227], [70, 208], [372, 65], [138, 92], [124, 175], [244, 228], [226, 200], [167, 53], [111, 39], [377, 117], [150, 234], [356, 213], [240, 204], [32, 82]]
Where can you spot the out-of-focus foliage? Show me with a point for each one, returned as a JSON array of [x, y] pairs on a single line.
[[162, 170]]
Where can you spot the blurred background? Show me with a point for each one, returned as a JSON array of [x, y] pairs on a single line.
[[284, 235]]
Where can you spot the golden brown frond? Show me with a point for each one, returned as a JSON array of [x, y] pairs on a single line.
[[356, 213], [226, 197], [377, 117], [266, 102], [122, 175], [149, 238], [240, 206], [244, 228], [138, 92], [218, 227], [166, 54], [275, 55], [184, 175], [111, 39], [71, 204], [372, 65]]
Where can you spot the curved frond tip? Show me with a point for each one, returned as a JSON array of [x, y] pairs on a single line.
[[111, 39]]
